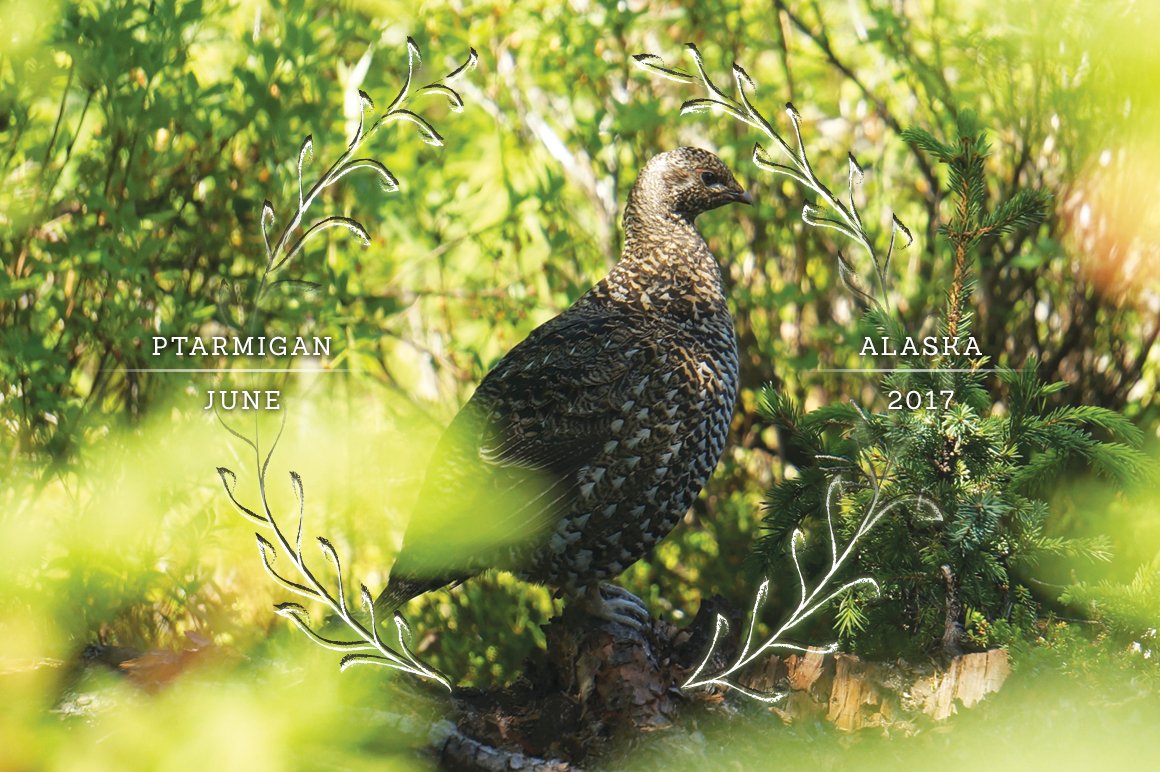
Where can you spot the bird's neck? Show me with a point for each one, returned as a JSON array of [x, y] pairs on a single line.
[[666, 260]]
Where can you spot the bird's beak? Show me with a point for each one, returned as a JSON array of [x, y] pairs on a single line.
[[744, 197]]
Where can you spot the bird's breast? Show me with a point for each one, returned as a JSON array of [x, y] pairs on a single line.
[[663, 441]]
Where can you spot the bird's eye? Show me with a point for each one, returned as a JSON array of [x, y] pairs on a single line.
[[710, 179]]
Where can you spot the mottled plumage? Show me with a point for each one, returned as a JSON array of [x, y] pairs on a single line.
[[589, 441]]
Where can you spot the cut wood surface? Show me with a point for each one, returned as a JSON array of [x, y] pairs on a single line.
[[853, 693]]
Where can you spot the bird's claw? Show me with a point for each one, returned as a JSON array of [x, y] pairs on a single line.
[[615, 604]]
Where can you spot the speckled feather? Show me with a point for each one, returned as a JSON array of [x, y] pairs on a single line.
[[603, 425]]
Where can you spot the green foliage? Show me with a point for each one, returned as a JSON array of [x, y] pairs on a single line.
[[988, 466], [1127, 607], [141, 140]]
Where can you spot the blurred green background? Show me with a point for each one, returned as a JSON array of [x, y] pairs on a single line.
[[139, 142]]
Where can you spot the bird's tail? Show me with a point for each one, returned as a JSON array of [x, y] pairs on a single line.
[[401, 588]]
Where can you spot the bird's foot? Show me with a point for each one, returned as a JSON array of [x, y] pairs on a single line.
[[615, 604]]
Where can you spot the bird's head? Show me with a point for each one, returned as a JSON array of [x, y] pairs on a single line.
[[688, 181]]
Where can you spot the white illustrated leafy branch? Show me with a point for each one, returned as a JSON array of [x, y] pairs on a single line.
[[812, 599], [842, 216], [281, 250], [368, 648]]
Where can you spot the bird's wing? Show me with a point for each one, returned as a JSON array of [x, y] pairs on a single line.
[[509, 465], [550, 401]]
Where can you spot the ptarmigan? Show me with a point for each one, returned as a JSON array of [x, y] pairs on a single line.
[[589, 441]]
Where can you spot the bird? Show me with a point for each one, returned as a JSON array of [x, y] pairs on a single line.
[[587, 443]]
